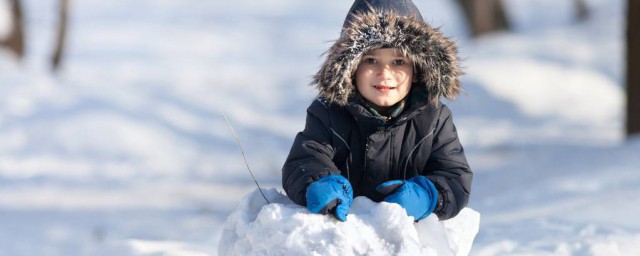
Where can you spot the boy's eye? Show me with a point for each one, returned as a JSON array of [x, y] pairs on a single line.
[[369, 60], [399, 62]]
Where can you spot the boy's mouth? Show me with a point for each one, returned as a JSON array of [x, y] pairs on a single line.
[[383, 88]]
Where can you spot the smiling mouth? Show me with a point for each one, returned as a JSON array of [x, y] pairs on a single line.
[[383, 88]]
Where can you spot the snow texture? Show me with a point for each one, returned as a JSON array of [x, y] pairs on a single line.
[[285, 228]]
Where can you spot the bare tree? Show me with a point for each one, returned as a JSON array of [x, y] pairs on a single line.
[[484, 16], [15, 41], [633, 67], [61, 35]]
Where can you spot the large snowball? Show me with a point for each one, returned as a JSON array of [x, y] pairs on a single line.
[[285, 228]]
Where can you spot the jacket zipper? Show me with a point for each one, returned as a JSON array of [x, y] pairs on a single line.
[[406, 163], [349, 148]]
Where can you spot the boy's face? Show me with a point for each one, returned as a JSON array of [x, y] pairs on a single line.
[[384, 77]]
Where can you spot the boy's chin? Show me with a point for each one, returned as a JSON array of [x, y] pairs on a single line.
[[384, 104]]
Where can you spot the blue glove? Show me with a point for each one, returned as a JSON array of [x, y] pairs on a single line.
[[332, 193], [418, 196]]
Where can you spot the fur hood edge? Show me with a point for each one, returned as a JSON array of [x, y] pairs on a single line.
[[433, 54]]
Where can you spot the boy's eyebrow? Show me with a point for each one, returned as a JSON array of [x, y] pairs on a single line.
[[399, 54]]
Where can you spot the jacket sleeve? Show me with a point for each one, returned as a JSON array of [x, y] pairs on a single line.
[[311, 155], [448, 169]]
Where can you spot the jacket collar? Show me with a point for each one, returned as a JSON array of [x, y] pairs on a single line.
[[370, 120]]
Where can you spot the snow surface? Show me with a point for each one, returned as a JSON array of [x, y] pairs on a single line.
[[125, 152], [285, 228]]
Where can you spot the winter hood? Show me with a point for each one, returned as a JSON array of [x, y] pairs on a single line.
[[374, 24]]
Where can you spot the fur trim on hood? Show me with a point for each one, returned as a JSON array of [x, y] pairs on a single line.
[[434, 55]]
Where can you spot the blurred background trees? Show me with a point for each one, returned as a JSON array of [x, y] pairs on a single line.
[[582, 12], [633, 67], [482, 17], [61, 34], [15, 40], [486, 16]]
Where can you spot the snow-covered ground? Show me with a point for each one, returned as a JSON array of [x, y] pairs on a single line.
[[125, 152]]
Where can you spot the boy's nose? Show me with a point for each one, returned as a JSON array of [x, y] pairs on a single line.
[[385, 71]]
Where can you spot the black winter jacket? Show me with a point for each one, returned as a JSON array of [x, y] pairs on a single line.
[[349, 140]]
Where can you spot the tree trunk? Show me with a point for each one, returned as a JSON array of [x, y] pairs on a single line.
[[15, 40], [467, 9], [582, 12], [633, 67], [61, 35], [484, 16]]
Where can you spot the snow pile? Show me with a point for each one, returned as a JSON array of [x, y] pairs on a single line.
[[285, 228]]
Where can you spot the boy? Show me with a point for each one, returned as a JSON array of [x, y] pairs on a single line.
[[377, 128]]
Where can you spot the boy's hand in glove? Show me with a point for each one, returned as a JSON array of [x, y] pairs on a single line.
[[332, 193], [418, 196]]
